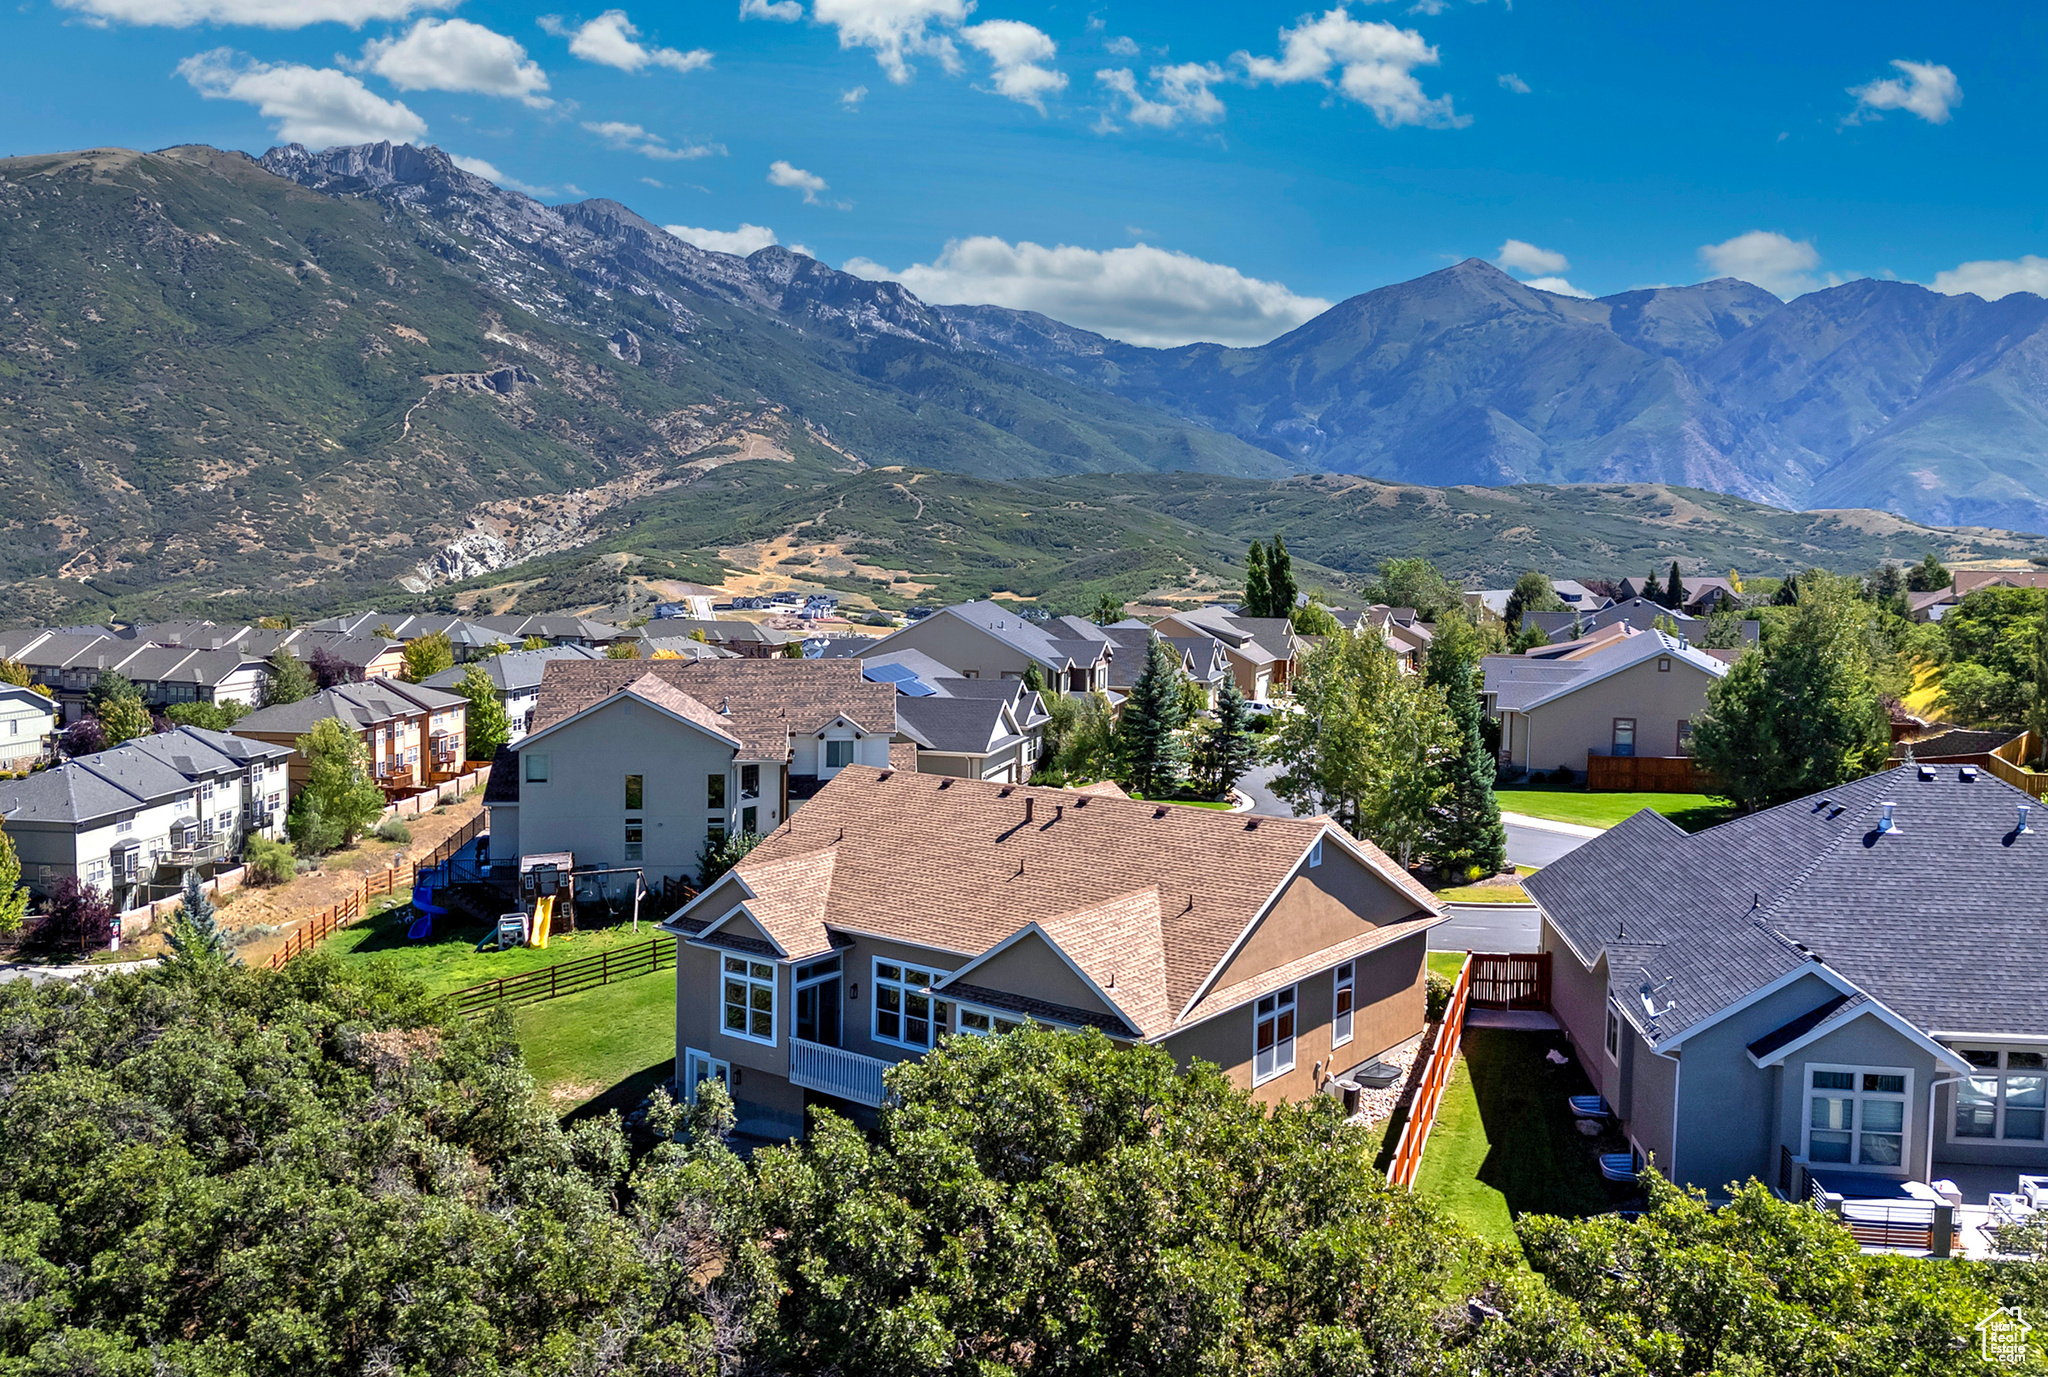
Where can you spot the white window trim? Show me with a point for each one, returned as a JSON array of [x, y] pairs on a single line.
[[992, 1015], [1998, 1118], [1611, 1037], [1315, 854], [774, 1013], [1858, 1094], [1339, 983], [715, 1068], [938, 1002], [1293, 995]]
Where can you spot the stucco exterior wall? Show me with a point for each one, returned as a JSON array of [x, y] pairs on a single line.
[[965, 649], [1030, 967], [1320, 906], [1860, 1042], [1562, 732]]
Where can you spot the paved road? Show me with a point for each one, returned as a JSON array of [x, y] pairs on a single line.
[[1486, 927], [1532, 844], [1264, 802]]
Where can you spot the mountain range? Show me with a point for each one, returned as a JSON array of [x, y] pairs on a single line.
[[303, 377]]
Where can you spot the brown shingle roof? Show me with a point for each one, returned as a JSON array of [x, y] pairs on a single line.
[[1151, 894], [761, 702]]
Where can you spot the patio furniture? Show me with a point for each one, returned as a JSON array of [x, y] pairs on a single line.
[[1589, 1107], [2009, 1208], [2034, 1190], [1618, 1166], [1949, 1191]]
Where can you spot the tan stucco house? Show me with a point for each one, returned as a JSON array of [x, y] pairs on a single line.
[[1626, 693]]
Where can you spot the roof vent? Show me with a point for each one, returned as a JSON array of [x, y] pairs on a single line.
[[1006, 791], [1888, 822], [2021, 829], [1927, 772], [1027, 807], [945, 784], [1251, 824], [882, 776], [1160, 811], [725, 707], [1969, 774]]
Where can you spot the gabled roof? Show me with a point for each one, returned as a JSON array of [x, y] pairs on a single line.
[[515, 669], [1054, 645], [356, 706], [15, 693], [1524, 683], [762, 703], [1262, 640], [133, 775], [1939, 920], [958, 726]]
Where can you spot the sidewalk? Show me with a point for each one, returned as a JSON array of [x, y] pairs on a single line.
[[1563, 829]]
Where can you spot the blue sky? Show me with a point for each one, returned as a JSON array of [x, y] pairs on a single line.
[[1158, 171]]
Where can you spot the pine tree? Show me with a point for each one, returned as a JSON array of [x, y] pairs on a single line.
[[1228, 747], [1257, 593], [1149, 736], [488, 729], [196, 934], [1674, 591], [1466, 832], [1532, 593], [289, 679], [1928, 575], [1653, 588], [1280, 586], [1107, 610]]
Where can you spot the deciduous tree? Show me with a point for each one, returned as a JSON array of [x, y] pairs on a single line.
[[426, 656], [125, 719], [1415, 583], [13, 896], [288, 681], [340, 800], [1532, 593], [630, 650], [1928, 575], [488, 728]]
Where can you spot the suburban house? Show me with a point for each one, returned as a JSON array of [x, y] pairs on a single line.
[[1699, 595], [641, 763], [681, 648], [556, 628], [27, 721], [688, 600], [1491, 604], [986, 640], [129, 820], [515, 676], [1931, 606], [1261, 650], [169, 675], [971, 728], [899, 908], [415, 735], [468, 640], [364, 657], [751, 639], [1618, 695], [1845, 989]]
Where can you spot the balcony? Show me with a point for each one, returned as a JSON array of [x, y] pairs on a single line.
[[838, 1072]]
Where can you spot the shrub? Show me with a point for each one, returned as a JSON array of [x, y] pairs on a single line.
[[393, 829], [269, 862], [1563, 775], [1438, 996]]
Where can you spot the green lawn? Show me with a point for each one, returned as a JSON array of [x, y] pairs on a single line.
[[1483, 894], [1693, 812], [605, 1048], [449, 961], [1446, 963], [1504, 1144]]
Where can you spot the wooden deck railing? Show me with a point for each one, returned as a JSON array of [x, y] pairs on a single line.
[[310, 932], [1439, 1057], [568, 977]]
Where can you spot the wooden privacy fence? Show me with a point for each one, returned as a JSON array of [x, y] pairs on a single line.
[[1652, 774], [2005, 763], [1438, 1058], [312, 931], [1510, 981], [568, 977]]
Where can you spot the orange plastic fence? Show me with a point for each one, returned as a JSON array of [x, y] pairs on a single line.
[[1436, 1073]]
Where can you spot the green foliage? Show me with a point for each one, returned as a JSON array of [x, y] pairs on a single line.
[[197, 938], [393, 829], [1527, 638], [1532, 593], [214, 717], [720, 854], [125, 719], [630, 650], [13, 895], [1466, 831], [1415, 582], [1149, 736], [1437, 992], [488, 729], [428, 655], [792, 651], [1989, 647], [1369, 744], [1108, 609], [1313, 619], [1087, 738], [110, 688], [289, 680], [534, 643], [1802, 713], [339, 799], [269, 862], [1042, 1202], [1227, 747], [1258, 589], [1928, 575], [14, 672], [1280, 585], [1674, 588]]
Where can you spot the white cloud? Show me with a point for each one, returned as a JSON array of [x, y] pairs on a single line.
[[1557, 285], [1378, 63], [631, 138], [1992, 278], [1929, 90], [781, 11], [1520, 256], [1121, 47], [316, 106], [784, 174], [1184, 94], [1510, 82], [742, 241], [489, 173], [852, 99], [261, 14], [1141, 294], [611, 40], [456, 55], [896, 30], [1020, 53], [1775, 262]]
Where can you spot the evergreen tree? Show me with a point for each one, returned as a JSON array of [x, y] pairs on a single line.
[[340, 800], [1229, 747], [109, 689], [1532, 593], [1674, 591], [1466, 832], [1107, 610], [1280, 586], [488, 729], [427, 656], [196, 934], [125, 719], [1149, 736], [288, 681], [1257, 592], [13, 897], [14, 672], [1928, 575]]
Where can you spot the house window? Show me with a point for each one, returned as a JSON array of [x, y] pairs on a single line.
[[1856, 1115], [635, 835], [124, 826], [838, 754], [634, 793], [2005, 1097], [905, 1012], [750, 781], [1664, 664], [1684, 737], [1613, 1034], [981, 1023], [714, 791], [206, 829], [1347, 991], [750, 819], [750, 999], [1624, 736], [699, 1067], [1273, 1036], [536, 768], [1315, 854]]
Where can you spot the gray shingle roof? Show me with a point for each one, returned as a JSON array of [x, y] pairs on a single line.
[[973, 726], [516, 669], [1520, 683], [356, 705], [130, 776]]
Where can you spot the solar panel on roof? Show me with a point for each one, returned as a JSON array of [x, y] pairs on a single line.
[[914, 687], [887, 674]]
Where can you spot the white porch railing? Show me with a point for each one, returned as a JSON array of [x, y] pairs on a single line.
[[836, 1071]]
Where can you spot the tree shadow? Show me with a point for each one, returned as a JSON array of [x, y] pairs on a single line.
[[1536, 1158]]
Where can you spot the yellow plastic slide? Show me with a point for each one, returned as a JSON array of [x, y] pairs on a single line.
[[543, 919]]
